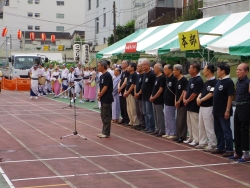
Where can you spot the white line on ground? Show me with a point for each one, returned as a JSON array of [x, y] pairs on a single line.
[[6, 178], [97, 156], [124, 171]]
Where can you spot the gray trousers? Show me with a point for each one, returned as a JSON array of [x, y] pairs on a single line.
[[106, 111], [159, 118], [139, 112], [181, 123]]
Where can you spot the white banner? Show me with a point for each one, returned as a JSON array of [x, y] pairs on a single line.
[[85, 53], [76, 51]]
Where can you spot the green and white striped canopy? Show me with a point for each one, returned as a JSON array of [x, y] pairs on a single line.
[[235, 39]]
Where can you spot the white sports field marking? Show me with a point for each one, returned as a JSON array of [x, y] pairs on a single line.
[[96, 156], [124, 171], [225, 176], [6, 178]]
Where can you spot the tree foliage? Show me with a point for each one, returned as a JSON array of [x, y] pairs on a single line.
[[122, 31], [191, 12]]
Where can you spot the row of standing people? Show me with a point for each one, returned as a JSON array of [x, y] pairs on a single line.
[[164, 103], [59, 81]]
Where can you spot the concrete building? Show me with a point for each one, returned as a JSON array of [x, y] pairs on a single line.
[[220, 7], [99, 17], [40, 16]]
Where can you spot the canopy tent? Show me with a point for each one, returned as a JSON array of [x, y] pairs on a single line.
[[235, 39]]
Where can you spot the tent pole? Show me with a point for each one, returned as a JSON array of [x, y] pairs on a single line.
[[208, 56]]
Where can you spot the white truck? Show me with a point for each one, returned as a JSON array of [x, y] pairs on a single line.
[[20, 64]]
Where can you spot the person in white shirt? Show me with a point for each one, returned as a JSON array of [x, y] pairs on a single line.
[[34, 73], [78, 73], [47, 87], [64, 77], [86, 84], [41, 87], [71, 79]]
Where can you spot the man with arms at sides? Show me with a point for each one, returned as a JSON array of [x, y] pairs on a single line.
[[222, 110], [206, 118], [242, 115], [129, 94], [106, 98], [169, 102], [79, 73], [147, 88], [64, 76], [121, 89], [193, 89], [138, 97], [116, 111], [157, 99], [181, 115]]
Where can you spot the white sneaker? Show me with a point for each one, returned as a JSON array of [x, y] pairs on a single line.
[[188, 141], [171, 137], [39, 94], [193, 143], [165, 136], [31, 97], [72, 100], [65, 97], [36, 97], [81, 101]]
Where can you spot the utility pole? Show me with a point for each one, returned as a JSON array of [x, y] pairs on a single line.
[[114, 17]]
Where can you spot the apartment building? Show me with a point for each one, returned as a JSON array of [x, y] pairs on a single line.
[[61, 16], [220, 7]]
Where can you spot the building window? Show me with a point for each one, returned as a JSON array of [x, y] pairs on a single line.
[[7, 3], [37, 27], [30, 27], [37, 15], [97, 3], [37, 1], [104, 19], [104, 40], [97, 25], [60, 3], [59, 28], [58, 15], [30, 1], [30, 14], [89, 5]]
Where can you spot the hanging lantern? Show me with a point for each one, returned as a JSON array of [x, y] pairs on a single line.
[[32, 36], [4, 32], [53, 38], [19, 34], [43, 36]]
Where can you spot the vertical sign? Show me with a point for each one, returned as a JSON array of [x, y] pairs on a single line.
[[85, 53], [189, 40], [76, 51]]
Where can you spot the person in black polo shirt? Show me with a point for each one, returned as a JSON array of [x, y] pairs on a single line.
[[121, 89], [241, 115], [129, 94], [169, 102], [138, 97], [222, 110], [147, 87], [106, 98], [206, 118], [181, 115], [158, 101], [193, 89]]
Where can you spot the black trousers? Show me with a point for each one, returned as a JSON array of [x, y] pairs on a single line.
[[124, 112], [241, 128], [106, 115]]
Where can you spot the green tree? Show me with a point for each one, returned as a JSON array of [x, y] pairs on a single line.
[[191, 12], [122, 31]]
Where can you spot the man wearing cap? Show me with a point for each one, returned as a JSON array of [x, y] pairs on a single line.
[[64, 77], [78, 73], [34, 73]]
